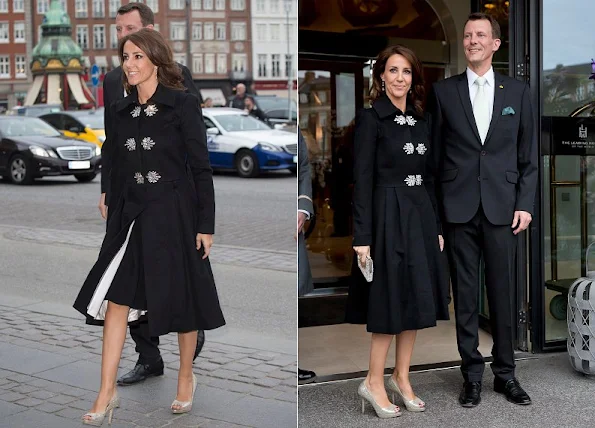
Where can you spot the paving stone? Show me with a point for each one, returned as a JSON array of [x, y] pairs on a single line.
[[150, 422], [12, 396], [265, 356], [70, 413], [237, 367], [20, 378], [223, 374], [230, 385], [49, 407], [74, 392], [29, 402], [8, 384], [279, 374], [206, 366], [42, 395], [265, 368], [250, 361], [25, 389], [189, 421], [81, 404], [265, 381], [61, 399]]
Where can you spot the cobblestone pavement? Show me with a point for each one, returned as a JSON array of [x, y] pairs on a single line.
[[224, 254], [49, 375]]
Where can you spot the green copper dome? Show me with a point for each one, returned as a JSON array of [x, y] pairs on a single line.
[[56, 41]]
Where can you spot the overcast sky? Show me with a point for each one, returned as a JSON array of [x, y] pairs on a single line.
[[568, 32]]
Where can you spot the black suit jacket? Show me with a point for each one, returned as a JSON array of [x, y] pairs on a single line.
[[113, 91], [501, 174]]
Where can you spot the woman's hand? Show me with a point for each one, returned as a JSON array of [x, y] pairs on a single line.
[[441, 242], [205, 241], [362, 253]]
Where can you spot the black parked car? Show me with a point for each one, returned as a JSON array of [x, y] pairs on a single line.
[[30, 148]]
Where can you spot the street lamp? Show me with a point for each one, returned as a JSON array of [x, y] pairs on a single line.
[[288, 62]]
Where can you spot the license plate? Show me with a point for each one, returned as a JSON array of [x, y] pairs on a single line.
[[79, 165], [295, 159]]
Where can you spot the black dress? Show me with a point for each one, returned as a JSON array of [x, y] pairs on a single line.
[[394, 208], [148, 260]]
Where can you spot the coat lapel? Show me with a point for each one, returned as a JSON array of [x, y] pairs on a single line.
[[463, 87], [498, 101]]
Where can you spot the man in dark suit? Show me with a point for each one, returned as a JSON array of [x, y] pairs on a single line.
[[129, 19], [486, 157]]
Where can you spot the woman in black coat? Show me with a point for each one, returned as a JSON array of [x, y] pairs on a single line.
[[396, 223], [153, 263]]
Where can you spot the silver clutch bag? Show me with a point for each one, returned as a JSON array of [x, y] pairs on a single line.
[[367, 268]]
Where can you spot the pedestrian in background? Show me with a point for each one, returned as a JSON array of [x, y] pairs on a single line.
[[130, 18], [252, 110], [154, 262], [238, 100]]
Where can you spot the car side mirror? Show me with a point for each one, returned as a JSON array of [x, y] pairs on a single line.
[[213, 131]]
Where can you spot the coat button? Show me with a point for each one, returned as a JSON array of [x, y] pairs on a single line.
[[483, 153], [478, 178]]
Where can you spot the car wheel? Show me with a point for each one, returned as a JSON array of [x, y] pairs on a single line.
[[85, 178], [20, 171], [247, 164]]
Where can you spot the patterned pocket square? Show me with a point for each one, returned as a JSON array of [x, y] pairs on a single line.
[[507, 110]]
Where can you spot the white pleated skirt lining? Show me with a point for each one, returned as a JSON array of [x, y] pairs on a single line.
[[98, 305]]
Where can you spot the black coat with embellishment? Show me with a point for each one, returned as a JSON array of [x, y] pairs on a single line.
[[164, 185]]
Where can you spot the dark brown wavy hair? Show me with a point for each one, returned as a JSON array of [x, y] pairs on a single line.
[[417, 92], [153, 44]]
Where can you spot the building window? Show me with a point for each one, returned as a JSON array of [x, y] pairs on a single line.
[[290, 30], [238, 31], [196, 4], [260, 6], [209, 63], [114, 5], [288, 65], [238, 4], [275, 28], [221, 31], [19, 32], [262, 65], [18, 6], [180, 58], [82, 36], [4, 38], [20, 62], [156, 27], [64, 5], [81, 9], [177, 31], [261, 32], [196, 31], [176, 4], [239, 62], [99, 36], [197, 64], [221, 63], [98, 9], [208, 5], [113, 37], [209, 32], [3, 6], [275, 65], [153, 4], [274, 6], [43, 6], [220, 5], [4, 66]]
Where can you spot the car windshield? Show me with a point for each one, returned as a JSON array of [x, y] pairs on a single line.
[[272, 103], [26, 127], [241, 122], [91, 120]]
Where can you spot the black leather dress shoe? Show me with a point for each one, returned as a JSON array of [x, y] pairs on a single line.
[[200, 341], [513, 391], [470, 394], [140, 372], [305, 376]]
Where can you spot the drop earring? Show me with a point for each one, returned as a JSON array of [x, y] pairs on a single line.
[[383, 88]]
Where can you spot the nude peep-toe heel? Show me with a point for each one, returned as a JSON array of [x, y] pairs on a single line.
[[382, 412], [185, 406], [96, 419], [415, 405]]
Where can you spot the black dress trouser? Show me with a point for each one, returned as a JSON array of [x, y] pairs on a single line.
[[146, 346], [466, 243]]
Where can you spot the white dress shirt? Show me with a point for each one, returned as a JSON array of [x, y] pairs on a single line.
[[489, 87]]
